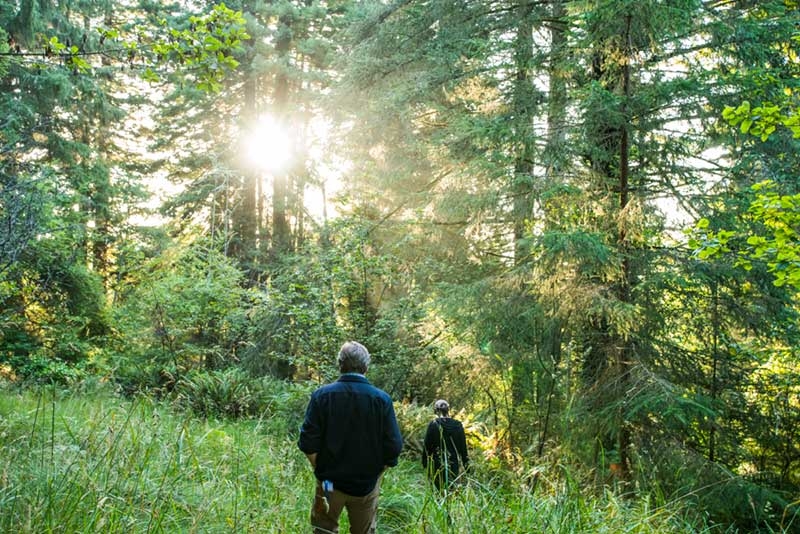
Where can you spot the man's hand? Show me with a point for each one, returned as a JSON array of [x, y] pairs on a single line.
[[312, 459]]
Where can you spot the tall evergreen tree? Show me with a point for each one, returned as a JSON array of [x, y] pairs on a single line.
[[286, 63], [56, 169], [745, 358], [561, 232]]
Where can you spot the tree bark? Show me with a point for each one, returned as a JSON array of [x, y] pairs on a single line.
[[281, 231]]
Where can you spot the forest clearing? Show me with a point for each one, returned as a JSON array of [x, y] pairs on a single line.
[[577, 221]]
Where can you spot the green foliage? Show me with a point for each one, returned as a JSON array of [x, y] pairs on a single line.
[[294, 323], [707, 243], [774, 240], [724, 497], [233, 393], [206, 49], [502, 248], [39, 369], [217, 393], [71, 56], [778, 245], [178, 312], [54, 315], [326, 294], [760, 121]]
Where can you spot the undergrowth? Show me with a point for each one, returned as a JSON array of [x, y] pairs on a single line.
[[98, 463]]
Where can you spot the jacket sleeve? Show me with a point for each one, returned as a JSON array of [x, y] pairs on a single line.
[[392, 439], [425, 452], [432, 441], [461, 446], [432, 438], [311, 430]]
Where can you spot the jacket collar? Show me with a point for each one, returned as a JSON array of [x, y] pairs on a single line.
[[353, 377]]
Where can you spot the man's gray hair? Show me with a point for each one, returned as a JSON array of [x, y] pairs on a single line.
[[353, 358]]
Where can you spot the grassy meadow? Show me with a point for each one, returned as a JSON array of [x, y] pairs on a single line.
[[74, 462]]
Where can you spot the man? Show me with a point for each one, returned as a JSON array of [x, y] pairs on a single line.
[[350, 436], [445, 442]]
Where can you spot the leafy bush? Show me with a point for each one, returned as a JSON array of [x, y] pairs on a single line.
[[233, 393], [41, 370], [723, 496], [217, 393], [52, 315], [179, 313], [294, 328]]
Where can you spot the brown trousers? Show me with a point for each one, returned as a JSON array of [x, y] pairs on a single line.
[[361, 511]]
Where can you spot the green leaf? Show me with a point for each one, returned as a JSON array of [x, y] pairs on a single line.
[[150, 75], [729, 113]]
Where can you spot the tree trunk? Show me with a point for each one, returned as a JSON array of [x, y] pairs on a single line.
[[624, 354], [281, 231], [554, 152], [244, 245], [609, 356], [522, 189]]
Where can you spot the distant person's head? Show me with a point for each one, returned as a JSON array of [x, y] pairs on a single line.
[[353, 358], [440, 407]]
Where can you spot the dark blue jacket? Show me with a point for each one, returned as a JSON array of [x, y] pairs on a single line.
[[352, 427], [445, 441]]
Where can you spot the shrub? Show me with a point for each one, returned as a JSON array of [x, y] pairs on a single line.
[[294, 322], [233, 393], [723, 496], [179, 313], [283, 403], [225, 393]]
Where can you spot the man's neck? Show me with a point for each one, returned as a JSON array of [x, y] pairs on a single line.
[[354, 374]]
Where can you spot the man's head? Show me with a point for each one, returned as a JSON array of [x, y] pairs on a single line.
[[440, 407], [353, 358]]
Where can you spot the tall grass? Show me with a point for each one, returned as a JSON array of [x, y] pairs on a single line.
[[71, 464], [101, 464], [488, 506]]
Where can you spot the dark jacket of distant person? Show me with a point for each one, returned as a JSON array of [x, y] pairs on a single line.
[[445, 443]]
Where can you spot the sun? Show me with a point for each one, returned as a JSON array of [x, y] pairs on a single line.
[[271, 147], [268, 146]]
